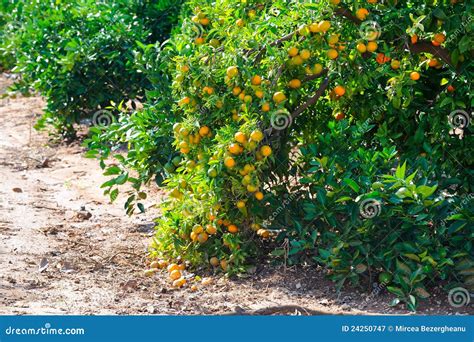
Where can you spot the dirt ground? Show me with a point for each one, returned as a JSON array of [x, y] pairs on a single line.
[[64, 249]]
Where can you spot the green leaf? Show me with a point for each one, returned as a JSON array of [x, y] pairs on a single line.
[[426, 191], [403, 267], [396, 291], [400, 173], [352, 184]]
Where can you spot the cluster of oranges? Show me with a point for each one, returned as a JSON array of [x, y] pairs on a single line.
[[186, 139]]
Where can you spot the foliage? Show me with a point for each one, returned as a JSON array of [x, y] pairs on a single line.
[[256, 80], [335, 133], [81, 54]]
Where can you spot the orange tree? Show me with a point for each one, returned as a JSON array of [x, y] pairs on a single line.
[[333, 132], [80, 54]]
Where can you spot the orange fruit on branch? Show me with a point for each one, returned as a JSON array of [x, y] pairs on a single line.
[[233, 229], [372, 46], [266, 150], [229, 162], [340, 90], [279, 97], [295, 83], [415, 76], [256, 80]]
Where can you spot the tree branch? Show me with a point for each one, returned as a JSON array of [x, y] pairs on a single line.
[[428, 47], [344, 12], [312, 100]]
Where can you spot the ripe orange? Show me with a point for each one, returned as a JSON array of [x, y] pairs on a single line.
[[266, 150], [293, 51], [339, 116], [198, 229], [279, 97], [229, 162], [214, 261], [184, 101], [203, 131], [433, 62], [256, 135], [236, 91], [184, 68], [332, 54], [233, 229], [362, 13], [235, 149], [202, 238], [179, 282], [295, 83], [199, 41], [451, 88], [176, 274], [256, 80], [266, 107], [240, 23], [240, 137], [224, 264], [297, 60], [440, 38], [204, 21], [314, 27], [415, 76], [240, 204], [305, 54], [414, 39], [259, 195], [361, 47], [382, 58], [340, 90], [324, 25], [211, 229], [372, 46], [172, 267]]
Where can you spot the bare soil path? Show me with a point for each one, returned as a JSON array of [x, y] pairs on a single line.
[[64, 249]]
